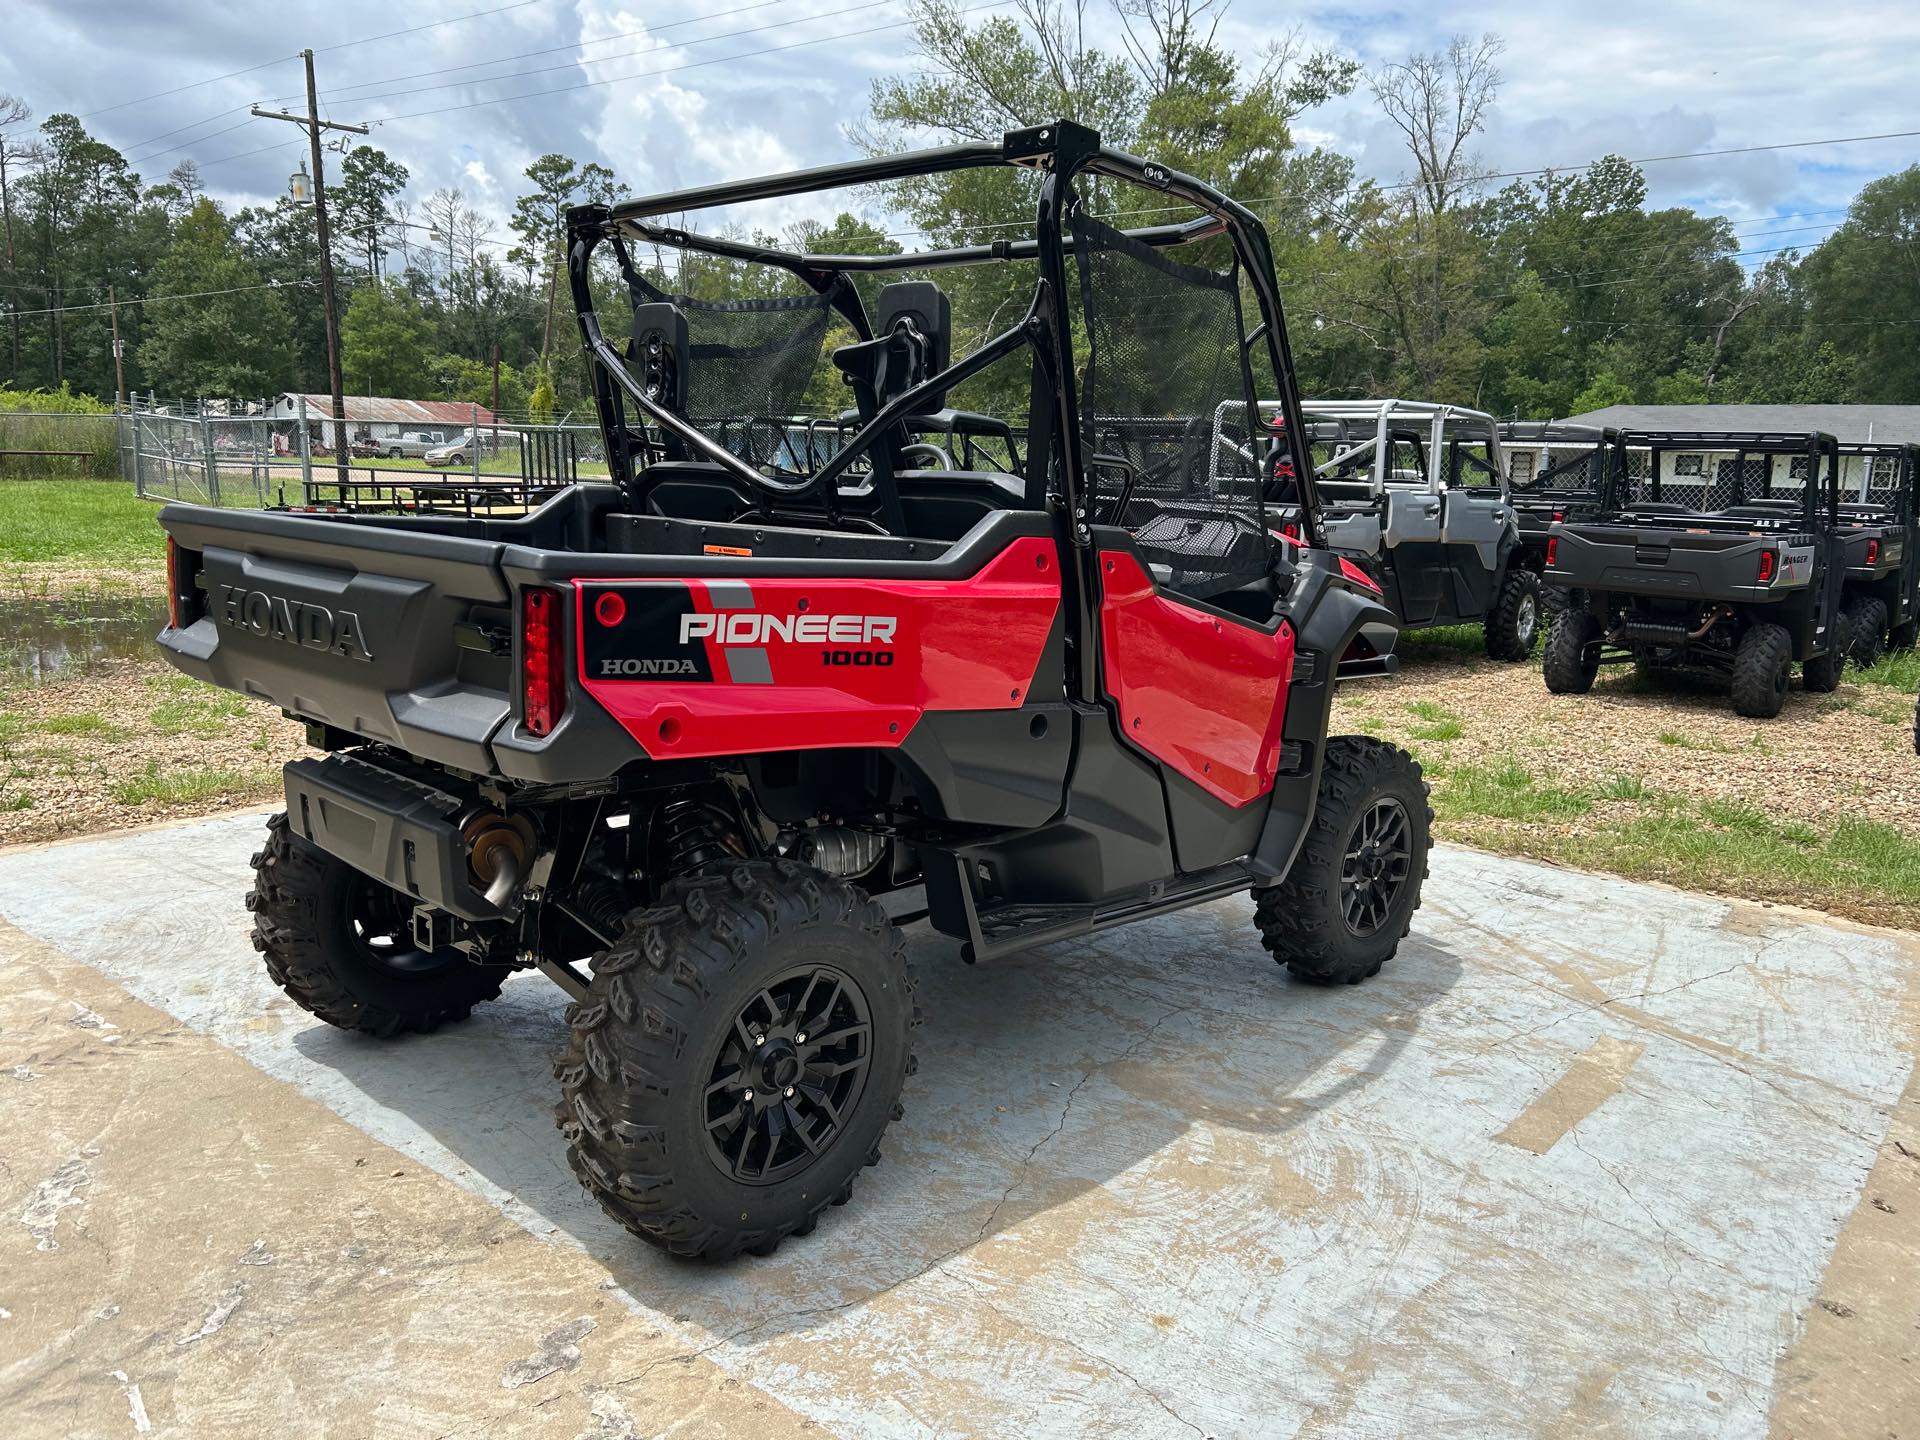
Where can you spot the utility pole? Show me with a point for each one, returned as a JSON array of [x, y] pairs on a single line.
[[313, 125], [119, 374], [495, 407]]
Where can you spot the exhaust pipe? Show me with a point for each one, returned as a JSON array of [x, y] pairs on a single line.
[[499, 851]]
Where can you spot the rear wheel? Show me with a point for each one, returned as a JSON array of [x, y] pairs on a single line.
[[1339, 913], [1762, 670], [393, 454], [1514, 623], [1902, 636], [1868, 623], [1573, 653], [737, 1059], [341, 945]]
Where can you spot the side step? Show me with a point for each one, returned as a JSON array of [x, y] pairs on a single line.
[[1004, 929]]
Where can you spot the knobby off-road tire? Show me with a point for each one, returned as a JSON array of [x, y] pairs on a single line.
[[1572, 657], [321, 924], [1762, 670], [1371, 828], [719, 983], [1514, 622], [1867, 622], [1822, 675]]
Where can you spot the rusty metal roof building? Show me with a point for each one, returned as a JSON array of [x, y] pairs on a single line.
[[383, 410]]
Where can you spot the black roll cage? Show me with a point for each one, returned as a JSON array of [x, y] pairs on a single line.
[[1061, 151], [1815, 445], [1906, 454]]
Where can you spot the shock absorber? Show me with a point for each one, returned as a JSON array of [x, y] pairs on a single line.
[[694, 832]]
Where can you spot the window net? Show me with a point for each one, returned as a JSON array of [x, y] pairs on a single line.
[[1168, 409], [748, 364]]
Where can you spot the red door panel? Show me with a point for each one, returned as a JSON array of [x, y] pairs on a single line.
[[710, 667], [1202, 695]]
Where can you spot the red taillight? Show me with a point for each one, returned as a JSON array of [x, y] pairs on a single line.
[[1558, 516], [543, 687], [174, 616], [1768, 560], [1291, 529], [1553, 548], [1873, 551]]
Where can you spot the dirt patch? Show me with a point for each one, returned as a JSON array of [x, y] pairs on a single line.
[[61, 580], [130, 742]]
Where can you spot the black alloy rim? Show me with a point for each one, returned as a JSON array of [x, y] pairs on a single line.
[[789, 1075], [380, 920], [1379, 859]]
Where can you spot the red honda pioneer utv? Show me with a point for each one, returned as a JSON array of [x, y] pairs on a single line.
[[696, 742]]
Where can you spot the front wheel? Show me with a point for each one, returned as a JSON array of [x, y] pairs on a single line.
[[1514, 622], [1867, 623], [341, 945], [1339, 913], [738, 1056], [1822, 673]]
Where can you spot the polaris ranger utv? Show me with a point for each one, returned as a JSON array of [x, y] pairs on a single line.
[[1882, 591], [695, 743], [1417, 493], [1725, 553], [1553, 473]]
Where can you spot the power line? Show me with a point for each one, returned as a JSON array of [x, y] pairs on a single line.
[[337, 91], [677, 69], [417, 29], [160, 299], [627, 54]]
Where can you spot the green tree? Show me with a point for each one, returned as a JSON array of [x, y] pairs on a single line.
[[370, 180], [1862, 288], [210, 329], [386, 343]]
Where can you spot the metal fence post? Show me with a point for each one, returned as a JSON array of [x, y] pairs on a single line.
[[206, 450], [473, 428], [306, 456]]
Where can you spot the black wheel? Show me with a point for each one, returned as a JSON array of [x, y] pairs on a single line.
[[1572, 657], [1339, 913], [1514, 622], [1762, 669], [1821, 674], [1867, 625], [1902, 636], [393, 454], [738, 1058], [341, 945]]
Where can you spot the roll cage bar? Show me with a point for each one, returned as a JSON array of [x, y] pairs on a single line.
[[1061, 152], [1585, 442], [1362, 430], [1906, 458], [1815, 445]]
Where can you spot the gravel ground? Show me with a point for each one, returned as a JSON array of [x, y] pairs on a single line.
[[1677, 734]]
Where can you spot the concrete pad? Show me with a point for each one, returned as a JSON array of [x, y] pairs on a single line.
[[1574, 1164]]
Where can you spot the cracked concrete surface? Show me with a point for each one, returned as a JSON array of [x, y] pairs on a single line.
[[1145, 1186]]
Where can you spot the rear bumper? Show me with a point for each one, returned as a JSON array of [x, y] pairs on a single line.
[[402, 831]]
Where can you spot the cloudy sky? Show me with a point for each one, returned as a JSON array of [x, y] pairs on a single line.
[[673, 93]]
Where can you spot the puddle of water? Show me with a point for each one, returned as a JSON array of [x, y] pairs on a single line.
[[45, 639]]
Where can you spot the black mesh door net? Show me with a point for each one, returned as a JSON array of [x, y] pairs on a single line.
[[1168, 412]]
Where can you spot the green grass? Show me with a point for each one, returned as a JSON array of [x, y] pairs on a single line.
[[1897, 670], [1679, 741], [1505, 791], [1623, 787], [84, 722], [83, 522], [181, 787], [19, 800], [187, 707], [1440, 722]]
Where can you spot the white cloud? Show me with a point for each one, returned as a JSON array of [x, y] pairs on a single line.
[[476, 171]]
